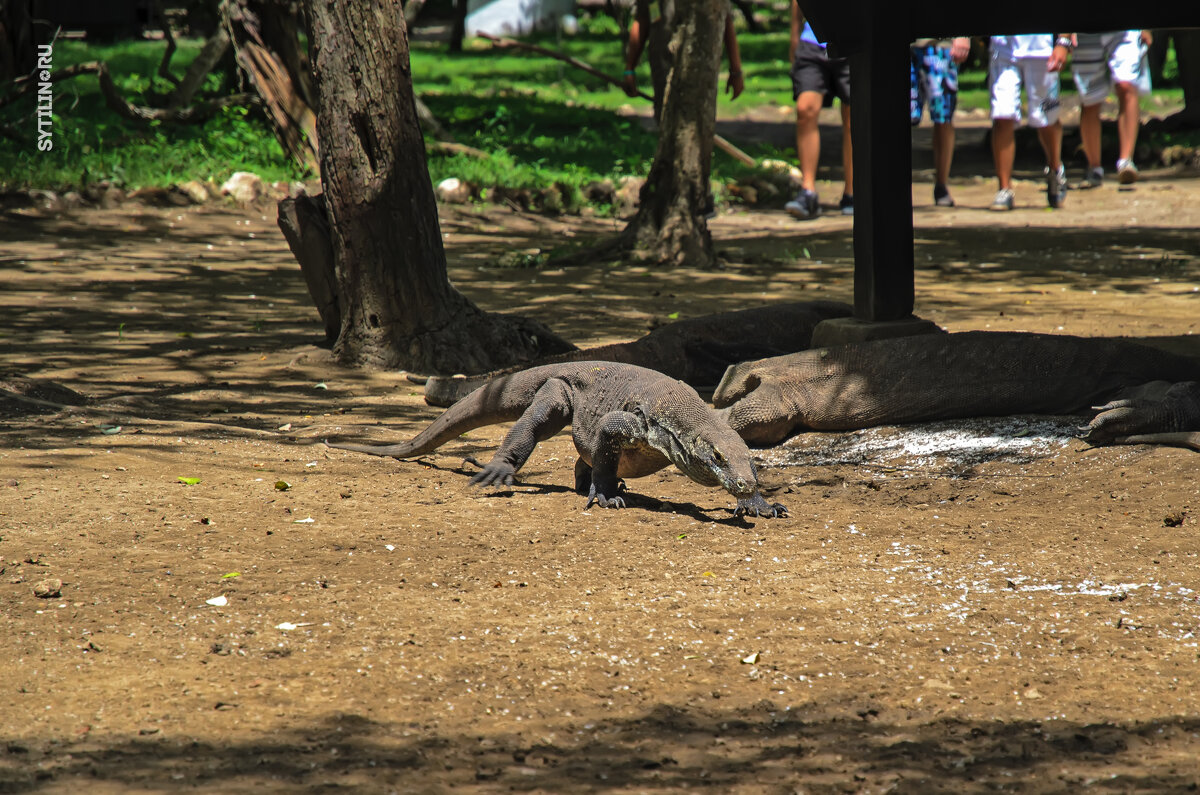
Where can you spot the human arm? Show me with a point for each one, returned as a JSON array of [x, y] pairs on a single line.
[[737, 82], [797, 27], [638, 30], [960, 48], [1063, 44]]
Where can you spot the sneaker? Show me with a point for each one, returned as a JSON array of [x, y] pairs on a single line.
[[941, 196], [1056, 186], [1095, 177], [1003, 200], [804, 206], [846, 205], [1127, 172]]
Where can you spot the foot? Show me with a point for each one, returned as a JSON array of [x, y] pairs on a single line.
[[941, 196], [1127, 172], [1003, 200], [757, 506], [846, 205], [1056, 186], [1094, 178], [804, 206]]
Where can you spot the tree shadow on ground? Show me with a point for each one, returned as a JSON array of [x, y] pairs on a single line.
[[667, 747]]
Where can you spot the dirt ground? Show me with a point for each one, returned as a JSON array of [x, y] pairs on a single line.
[[926, 620]]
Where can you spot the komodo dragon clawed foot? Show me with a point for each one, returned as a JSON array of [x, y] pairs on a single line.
[[1154, 413], [757, 506], [603, 500], [493, 472]]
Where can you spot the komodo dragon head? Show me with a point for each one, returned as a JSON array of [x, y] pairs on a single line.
[[709, 452]]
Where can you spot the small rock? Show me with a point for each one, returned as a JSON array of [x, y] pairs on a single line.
[[111, 197], [629, 191], [195, 190], [46, 199], [453, 191], [48, 589], [296, 190], [600, 192], [551, 200], [244, 187], [72, 200]]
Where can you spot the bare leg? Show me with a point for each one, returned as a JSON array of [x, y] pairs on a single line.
[[943, 151], [847, 151], [1004, 150], [808, 137], [1089, 131], [1051, 139], [1128, 120]]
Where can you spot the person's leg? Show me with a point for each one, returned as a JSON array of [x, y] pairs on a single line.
[[1050, 137], [1089, 133], [1125, 66], [1004, 79], [1004, 150], [1090, 68], [808, 137], [847, 151], [1042, 85], [943, 151]]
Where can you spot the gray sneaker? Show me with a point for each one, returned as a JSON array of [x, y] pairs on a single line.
[[804, 206], [1056, 186], [1127, 172], [1094, 178], [1003, 200]]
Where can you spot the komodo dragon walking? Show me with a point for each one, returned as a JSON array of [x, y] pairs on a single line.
[[1148, 395], [696, 350], [626, 422]]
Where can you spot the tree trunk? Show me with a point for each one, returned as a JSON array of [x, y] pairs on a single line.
[[266, 40], [396, 304], [669, 227], [1187, 55], [17, 50]]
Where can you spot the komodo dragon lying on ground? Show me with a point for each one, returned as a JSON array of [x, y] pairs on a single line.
[[1149, 395], [696, 350], [626, 421]]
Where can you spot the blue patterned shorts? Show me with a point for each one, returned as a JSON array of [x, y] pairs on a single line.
[[933, 82]]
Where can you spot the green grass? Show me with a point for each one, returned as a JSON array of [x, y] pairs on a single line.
[[541, 121], [92, 143]]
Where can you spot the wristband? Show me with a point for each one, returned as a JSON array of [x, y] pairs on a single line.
[[1064, 41]]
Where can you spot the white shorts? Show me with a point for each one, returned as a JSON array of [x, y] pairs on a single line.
[[1007, 75], [1104, 59]]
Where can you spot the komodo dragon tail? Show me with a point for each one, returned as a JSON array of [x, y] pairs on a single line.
[[502, 399]]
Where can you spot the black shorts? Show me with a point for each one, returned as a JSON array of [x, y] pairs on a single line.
[[814, 70]]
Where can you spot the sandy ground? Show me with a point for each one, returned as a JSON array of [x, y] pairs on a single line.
[[1003, 609]]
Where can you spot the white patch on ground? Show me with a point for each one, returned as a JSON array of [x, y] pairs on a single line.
[[950, 444]]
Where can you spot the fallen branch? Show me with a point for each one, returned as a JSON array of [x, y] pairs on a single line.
[[194, 114], [449, 147], [164, 65], [506, 43]]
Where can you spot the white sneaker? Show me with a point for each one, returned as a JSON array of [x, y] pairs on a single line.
[[1003, 200], [1127, 172]]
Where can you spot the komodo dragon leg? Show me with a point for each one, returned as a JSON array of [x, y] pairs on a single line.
[[619, 430], [548, 413], [1155, 413]]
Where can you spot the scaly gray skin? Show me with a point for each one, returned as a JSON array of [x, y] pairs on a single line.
[[1149, 396], [696, 350], [626, 422]]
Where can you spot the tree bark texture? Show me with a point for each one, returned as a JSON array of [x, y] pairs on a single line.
[[397, 306], [669, 227], [17, 51], [266, 39]]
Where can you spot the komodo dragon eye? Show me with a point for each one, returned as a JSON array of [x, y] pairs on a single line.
[[717, 455]]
